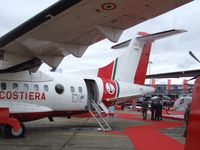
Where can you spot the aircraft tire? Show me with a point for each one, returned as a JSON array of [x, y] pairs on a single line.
[[6, 130], [10, 133]]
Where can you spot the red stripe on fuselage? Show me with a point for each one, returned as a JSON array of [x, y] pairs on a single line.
[[23, 117], [106, 72]]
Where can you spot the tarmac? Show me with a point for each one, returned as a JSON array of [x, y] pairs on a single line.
[[80, 134]]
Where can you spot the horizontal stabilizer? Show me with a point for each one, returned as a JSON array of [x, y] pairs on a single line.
[[149, 37], [160, 35], [121, 45]]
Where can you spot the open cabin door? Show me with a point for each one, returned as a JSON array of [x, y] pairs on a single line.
[[92, 91], [95, 107]]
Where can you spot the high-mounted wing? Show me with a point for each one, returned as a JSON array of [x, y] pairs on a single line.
[[70, 26]]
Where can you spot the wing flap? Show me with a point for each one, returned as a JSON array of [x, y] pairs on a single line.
[[52, 61]]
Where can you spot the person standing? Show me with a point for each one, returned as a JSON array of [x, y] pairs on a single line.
[[152, 110], [157, 110], [186, 118], [160, 107], [144, 109], [122, 106]]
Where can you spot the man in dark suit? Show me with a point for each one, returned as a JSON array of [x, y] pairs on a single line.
[[144, 109]]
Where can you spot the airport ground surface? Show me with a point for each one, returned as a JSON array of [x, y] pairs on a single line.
[[129, 132]]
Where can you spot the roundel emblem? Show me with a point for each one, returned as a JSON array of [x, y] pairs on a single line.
[[182, 101], [108, 6], [110, 88]]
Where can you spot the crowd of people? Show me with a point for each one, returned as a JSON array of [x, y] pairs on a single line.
[[156, 110]]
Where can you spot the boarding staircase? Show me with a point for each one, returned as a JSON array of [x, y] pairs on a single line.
[[96, 110]]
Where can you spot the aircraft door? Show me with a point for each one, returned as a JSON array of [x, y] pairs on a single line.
[[92, 90]]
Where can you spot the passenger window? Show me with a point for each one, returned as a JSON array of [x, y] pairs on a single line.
[[80, 89], [25, 87], [3, 86], [46, 88], [72, 89], [59, 88], [36, 87], [15, 86]]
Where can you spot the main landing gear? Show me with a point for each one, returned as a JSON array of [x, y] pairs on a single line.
[[10, 127], [10, 132]]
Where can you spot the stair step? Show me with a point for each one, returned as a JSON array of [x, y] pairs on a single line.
[[96, 111]]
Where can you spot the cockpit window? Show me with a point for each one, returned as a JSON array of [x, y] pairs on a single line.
[[59, 88]]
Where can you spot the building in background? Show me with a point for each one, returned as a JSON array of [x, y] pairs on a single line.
[[175, 90]]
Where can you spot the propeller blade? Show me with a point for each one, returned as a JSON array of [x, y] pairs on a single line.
[[193, 56]]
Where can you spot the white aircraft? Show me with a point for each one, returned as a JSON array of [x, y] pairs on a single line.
[[182, 103], [65, 28]]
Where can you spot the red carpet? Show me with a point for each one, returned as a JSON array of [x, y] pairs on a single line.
[[149, 137]]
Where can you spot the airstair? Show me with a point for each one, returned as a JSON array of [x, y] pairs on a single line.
[[96, 111]]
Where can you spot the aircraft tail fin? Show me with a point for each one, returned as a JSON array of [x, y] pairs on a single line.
[[132, 65]]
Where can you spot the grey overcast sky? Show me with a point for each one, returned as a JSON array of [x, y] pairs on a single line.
[[170, 54]]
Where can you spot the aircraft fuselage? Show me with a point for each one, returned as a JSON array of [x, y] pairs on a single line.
[[31, 96]]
